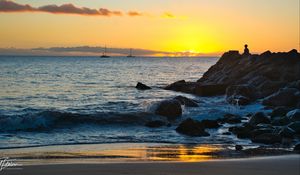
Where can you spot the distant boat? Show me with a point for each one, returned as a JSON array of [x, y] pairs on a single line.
[[130, 54], [104, 54]]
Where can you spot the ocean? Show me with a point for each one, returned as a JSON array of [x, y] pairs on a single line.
[[83, 100]]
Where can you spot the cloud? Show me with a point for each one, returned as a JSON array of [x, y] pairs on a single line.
[[134, 13], [168, 15], [10, 6]]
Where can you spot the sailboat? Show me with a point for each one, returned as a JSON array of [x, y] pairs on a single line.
[[104, 54], [130, 54]]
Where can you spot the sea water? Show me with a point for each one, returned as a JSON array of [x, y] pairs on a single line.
[[78, 100]]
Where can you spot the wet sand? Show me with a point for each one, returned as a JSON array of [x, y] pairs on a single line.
[[277, 165]]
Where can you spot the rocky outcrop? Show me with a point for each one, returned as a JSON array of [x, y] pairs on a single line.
[[246, 78], [170, 109], [141, 86]]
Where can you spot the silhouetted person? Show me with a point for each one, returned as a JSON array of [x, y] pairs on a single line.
[[246, 50]]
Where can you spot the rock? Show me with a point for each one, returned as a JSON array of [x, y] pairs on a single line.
[[181, 86], [279, 112], [156, 124], [170, 109], [260, 131], [258, 118], [295, 126], [267, 138], [238, 147], [287, 132], [284, 97], [231, 119], [280, 121], [297, 148], [141, 86], [186, 101], [210, 90], [192, 128], [266, 54], [295, 84], [210, 124], [294, 115], [242, 131], [240, 94]]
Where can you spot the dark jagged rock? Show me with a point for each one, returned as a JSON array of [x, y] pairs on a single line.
[[242, 131], [156, 124], [231, 119], [182, 86], [192, 128], [260, 131], [210, 124], [210, 90], [238, 147], [267, 138], [294, 115], [280, 121], [186, 101], [197, 88], [240, 94], [284, 97], [295, 126], [258, 118], [141, 86], [279, 112], [297, 148], [170, 109], [287, 132]]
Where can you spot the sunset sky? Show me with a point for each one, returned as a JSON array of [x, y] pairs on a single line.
[[194, 26]]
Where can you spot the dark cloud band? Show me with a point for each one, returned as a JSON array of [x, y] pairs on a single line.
[[10, 6]]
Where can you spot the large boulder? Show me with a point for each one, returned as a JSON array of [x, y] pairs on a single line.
[[279, 112], [267, 138], [210, 124], [170, 109], [141, 86], [231, 119], [280, 121], [258, 118], [295, 126], [287, 132], [284, 97], [191, 127], [242, 131], [210, 90], [240, 94], [186, 101], [297, 148], [294, 115]]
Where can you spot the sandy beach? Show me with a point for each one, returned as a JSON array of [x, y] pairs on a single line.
[[287, 165]]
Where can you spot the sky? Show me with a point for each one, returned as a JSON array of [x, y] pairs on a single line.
[[173, 27]]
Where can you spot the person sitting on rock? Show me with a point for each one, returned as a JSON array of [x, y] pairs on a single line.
[[246, 51]]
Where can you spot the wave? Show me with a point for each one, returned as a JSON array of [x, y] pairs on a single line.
[[47, 120]]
